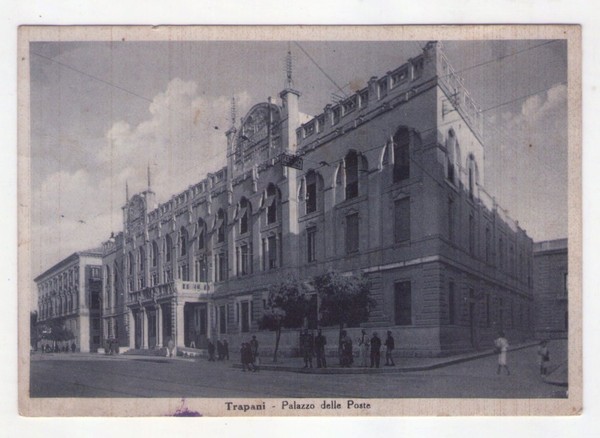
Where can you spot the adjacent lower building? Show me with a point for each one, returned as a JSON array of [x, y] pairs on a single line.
[[388, 182], [551, 291], [69, 296]]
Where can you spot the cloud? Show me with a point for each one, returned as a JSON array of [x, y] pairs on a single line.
[[182, 139], [534, 141]]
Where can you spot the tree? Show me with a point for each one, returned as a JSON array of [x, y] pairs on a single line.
[[55, 331], [344, 299], [287, 306], [34, 335]]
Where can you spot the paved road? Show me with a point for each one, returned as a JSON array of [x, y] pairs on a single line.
[[104, 376]]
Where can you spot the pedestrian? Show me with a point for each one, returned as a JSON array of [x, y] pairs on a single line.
[[226, 349], [170, 348], [254, 347], [192, 336], [363, 346], [211, 351], [346, 357], [320, 342], [544, 358], [375, 350], [389, 348], [219, 350], [246, 356], [308, 346], [501, 345]]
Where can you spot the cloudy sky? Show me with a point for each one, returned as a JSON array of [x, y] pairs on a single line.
[[101, 112]]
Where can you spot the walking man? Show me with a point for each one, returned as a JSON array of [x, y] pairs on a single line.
[[211, 351], [501, 348], [307, 348], [389, 348], [375, 347], [320, 342], [254, 349]]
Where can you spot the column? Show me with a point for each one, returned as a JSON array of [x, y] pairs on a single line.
[[144, 328], [179, 325], [209, 320], [131, 317], [159, 326]]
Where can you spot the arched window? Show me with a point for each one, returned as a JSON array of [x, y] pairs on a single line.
[[244, 215], [351, 168], [183, 238], [220, 225], [168, 246], [154, 254], [452, 157], [401, 154], [272, 203], [201, 230], [142, 260], [131, 263], [473, 176]]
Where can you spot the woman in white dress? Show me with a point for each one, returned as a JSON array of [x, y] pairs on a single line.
[[501, 347]]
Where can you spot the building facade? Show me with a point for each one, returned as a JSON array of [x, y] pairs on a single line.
[[388, 182], [69, 294], [551, 293]]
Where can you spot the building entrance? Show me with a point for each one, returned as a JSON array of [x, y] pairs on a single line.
[[196, 325]]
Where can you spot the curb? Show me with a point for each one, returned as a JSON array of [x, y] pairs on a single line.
[[397, 369]]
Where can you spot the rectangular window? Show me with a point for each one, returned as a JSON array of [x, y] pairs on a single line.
[[451, 304], [222, 319], [245, 315], [402, 303], [402, 220], [264, 254], [337, 112], [203, 268], [222, 266], [383, 86], [311, 240], [272, 248], [352, 233]]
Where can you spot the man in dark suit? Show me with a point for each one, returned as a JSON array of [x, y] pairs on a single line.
[[320, 342], [375, 347]]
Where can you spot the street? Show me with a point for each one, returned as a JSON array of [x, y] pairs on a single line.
[[65, 375]]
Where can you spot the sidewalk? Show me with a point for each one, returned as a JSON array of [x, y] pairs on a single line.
[[403, 364]]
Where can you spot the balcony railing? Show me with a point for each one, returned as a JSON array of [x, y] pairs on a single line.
[[169, 289]]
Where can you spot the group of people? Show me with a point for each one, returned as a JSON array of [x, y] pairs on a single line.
[[369, 349], [313, 346], [47, 348], [222, 349], [501, 347], [249, 355]]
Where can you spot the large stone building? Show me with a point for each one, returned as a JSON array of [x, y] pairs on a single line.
[[69, 293], [551, 298], [391, 185]]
